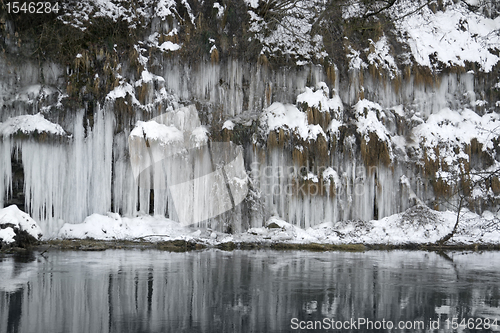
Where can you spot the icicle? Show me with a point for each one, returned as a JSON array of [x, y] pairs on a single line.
[[66, 182], [5, 169]]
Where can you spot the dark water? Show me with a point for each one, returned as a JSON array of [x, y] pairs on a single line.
[[248, 291]]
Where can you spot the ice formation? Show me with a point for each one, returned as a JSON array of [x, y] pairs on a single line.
[[63, 181], [91, 170], [192, 180], [311, 144]]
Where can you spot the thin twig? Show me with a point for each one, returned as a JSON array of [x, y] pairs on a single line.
[[151, 236]]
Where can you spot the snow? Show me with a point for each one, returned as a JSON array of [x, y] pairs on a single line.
[[447, 129], [330, 174], [189, 10], [287, 36], [228, 124], [391, 230], [112, 226], [449, 37], [320, 98], [80, 14], [334, 126], [355, 61], [143, 60], [368, 114], [252, 3], [288, 117], [163, 8], [399, 142], [381, 56], [28, 124], [159, 132], [220, 9], [169, 46], [453, 37], [418, 225], [312, 177], [122, 91], [448, 126], [146, 76], [17, 219], [399, 110], [200, 136], [7, 235]]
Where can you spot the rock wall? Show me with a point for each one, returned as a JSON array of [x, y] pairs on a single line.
[[357, 128], [352, 171]]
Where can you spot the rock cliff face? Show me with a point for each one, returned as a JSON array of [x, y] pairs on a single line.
[[341, 111]]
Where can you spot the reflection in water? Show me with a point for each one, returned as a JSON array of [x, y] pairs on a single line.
[[241, 291]]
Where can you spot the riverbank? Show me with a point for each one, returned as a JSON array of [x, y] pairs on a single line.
[[45, 247], [418, 228]]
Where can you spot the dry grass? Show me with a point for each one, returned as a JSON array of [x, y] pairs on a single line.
[[214, 56], [316, 117], [262, 60], [272, 139], [495, 185], [431, 166], [269, 94], [299, 157], [227, 135], [142, 92], [331, 73], [375, 151], [424, 76], [441, 188]]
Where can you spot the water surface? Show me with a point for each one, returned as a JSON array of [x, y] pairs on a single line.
[[244, 291]]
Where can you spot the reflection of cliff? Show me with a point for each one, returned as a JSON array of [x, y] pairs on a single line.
[[17, 272], [247, 291], [357, 129]]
